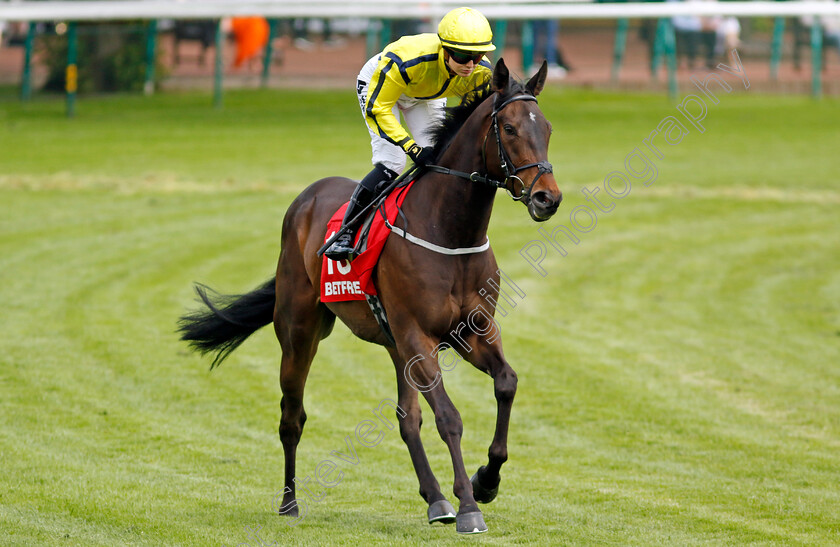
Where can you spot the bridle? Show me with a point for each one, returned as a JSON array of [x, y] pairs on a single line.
[[507, 166], [510, 171]]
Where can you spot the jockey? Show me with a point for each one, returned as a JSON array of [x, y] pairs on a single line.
[[414, 76]]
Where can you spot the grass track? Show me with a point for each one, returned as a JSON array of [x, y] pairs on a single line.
[[678, 369]]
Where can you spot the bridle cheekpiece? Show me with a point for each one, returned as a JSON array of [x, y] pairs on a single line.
[[510, 171], [507, 166]]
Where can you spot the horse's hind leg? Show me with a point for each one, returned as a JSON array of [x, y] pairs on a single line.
[[440, 510], [300, 323]]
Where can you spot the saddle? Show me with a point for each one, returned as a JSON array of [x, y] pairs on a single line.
[[353, 280]]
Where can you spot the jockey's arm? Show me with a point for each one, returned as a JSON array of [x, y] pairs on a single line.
[[386, 87]]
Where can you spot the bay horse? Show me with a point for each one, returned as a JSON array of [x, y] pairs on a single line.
[[496, 139]]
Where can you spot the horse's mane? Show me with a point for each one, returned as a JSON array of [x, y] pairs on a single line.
[[455, 117]]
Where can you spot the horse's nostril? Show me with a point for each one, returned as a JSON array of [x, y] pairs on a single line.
[[544, 199]]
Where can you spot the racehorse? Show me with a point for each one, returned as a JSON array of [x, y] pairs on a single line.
[[497, 138]]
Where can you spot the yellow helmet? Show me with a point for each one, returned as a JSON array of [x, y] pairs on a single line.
[[466, 29]]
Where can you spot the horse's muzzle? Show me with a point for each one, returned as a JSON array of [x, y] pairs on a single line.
[[542, 196], [542, 205]]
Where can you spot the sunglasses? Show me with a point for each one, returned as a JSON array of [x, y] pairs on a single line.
[[464, 57]]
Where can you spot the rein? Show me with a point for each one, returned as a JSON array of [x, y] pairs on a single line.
[[507, 166]]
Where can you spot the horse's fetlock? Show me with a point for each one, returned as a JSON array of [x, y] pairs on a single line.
[[498, 455]]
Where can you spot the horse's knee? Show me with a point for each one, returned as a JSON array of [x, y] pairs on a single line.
[[505, 385]]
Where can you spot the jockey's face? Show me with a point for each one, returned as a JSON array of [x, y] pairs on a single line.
[[462, 63]]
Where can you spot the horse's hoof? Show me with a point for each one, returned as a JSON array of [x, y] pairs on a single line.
[[470, 523], [289, 510], [441, 511], [482, 492]]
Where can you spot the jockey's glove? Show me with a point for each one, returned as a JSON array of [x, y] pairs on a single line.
[[420, 155]]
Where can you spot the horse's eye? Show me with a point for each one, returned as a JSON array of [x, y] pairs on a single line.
[[509, 129]]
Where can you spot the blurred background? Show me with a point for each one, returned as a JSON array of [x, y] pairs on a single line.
[[784, 54]]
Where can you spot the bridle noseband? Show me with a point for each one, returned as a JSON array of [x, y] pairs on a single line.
[[510, 171]]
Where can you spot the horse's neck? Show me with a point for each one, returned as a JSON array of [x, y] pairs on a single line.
[[458, 209]]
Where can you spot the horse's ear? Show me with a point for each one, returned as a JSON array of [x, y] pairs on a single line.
[[501, 76], [537, 81]]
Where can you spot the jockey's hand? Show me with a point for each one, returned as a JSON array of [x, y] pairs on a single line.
[[421, 156]]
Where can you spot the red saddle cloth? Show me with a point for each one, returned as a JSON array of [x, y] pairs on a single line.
[[342, 281]]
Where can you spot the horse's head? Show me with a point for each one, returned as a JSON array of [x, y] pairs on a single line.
[[521, 132]]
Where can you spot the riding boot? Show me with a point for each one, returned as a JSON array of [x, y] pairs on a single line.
[[368, 189], [343, 247]]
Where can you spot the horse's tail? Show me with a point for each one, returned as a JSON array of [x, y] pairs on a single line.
[[228, 321]]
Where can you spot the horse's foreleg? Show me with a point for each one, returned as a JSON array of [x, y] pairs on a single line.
[[490, 359], [440, 510], [423, 372], [486, 480], [469, 519]]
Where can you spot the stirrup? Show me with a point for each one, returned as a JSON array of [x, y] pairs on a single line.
[[342, 248]]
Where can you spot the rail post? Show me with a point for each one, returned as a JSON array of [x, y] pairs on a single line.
[[499, 31], [776, 47], [71, 74], [219, 66], [269, 52], [816, 58], [671, 59], [151, 46], [26, 78], [619, 47], [527, 46]]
